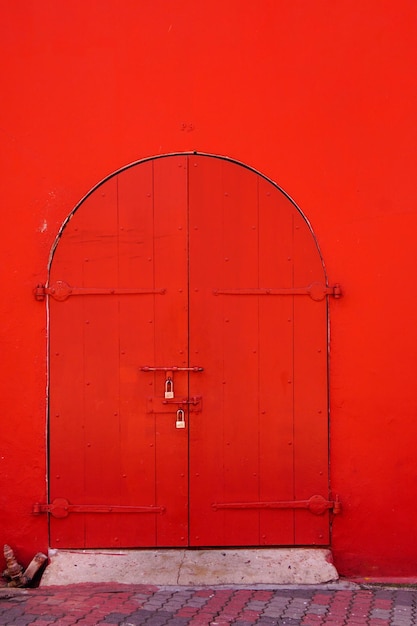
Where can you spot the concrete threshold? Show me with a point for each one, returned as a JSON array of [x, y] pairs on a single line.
[[282, 566]]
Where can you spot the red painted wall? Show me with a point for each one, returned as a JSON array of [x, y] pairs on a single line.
[[319, 96]]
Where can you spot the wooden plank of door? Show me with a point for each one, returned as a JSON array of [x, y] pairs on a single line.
[[170, 260], [66, 404], [241, 353], [276, 364], [206, 349], [137, 346], [99, 222], [310, 389]]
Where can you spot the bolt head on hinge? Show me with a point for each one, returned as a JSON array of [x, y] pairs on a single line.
[[39, 292], [337, 291]]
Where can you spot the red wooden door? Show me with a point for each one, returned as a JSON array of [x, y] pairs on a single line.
[[187, 262]]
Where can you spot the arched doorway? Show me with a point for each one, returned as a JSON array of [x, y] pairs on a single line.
[[188, 363]]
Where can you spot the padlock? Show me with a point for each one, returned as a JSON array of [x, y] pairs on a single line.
[[169, 389], [180, 423]]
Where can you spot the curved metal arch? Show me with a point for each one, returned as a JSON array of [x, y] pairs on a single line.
[[176, 154]]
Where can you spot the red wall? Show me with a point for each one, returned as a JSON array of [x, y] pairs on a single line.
[[321, 97]]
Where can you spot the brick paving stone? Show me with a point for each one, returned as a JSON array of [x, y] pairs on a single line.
[[128, 605], [114, 617], [300, 601], [277, 606], [196, 601], [320, 599], [386, 594], [338, 609], [318, 609], [173, 605], [336, 613], [256, 604], [379, 613], [273, 612], [403, 596], [208, 615], [310, 618], [141, 597], [187, 611], [262, 595], [382, 603], [156, 620], [250, 615]]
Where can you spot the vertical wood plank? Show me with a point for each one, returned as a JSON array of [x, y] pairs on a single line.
[[66, 402], [102, 479], [137, 348], [310, 389], [206, 235], [276, 364], [171, 345]]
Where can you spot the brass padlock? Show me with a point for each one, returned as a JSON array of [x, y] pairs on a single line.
[[169, 389], [180, 423]]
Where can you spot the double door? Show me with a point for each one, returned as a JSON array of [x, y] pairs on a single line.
[[188, 364]]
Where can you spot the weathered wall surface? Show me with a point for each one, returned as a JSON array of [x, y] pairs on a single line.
[[320, 97]]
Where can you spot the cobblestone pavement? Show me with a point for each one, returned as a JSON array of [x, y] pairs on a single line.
[[134, 605]]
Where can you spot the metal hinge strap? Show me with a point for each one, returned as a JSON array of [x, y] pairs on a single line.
[[60, 291], [61, 508], [173, 368], [316, 505], [316, 291]]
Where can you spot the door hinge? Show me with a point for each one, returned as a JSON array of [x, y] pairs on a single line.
[[172, 368], [60, 291], [61, 508], [316, 291], [316, 505]]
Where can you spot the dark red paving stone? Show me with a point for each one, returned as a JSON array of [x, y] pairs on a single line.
[[321, 599], [187, 612], [381, 603], [262, 595]]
